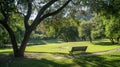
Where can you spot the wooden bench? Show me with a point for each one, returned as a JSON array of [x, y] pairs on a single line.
[[78, 48]]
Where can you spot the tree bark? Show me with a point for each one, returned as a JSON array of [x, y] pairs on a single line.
[[112, 40], [118, 41], [90, 38], [13, 39], [24, 43]]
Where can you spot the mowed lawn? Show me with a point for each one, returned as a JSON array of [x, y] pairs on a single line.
[[65, 47], [48, 56], [106, 60]]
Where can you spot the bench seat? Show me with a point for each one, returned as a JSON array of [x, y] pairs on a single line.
[[78, 48]]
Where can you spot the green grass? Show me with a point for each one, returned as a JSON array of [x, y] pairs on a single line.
[[65, 47], [49, 53], [107, 60]]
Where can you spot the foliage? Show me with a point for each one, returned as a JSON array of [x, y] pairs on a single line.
[[98, 29], [4, 37], [85, 30], [112, 28], [59, 26], [69, 33], [110, 12], [16, 22]]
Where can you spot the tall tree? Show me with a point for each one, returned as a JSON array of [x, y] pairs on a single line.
[[6, 9], [85, 30], [110, 10], [112, 29]]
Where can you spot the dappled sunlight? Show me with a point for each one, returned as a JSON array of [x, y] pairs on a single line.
[[49, 60], [98, 61], [41, 62]]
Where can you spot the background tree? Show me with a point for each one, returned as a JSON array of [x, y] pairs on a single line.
[[110, 15], [110, 10], [85, 31], [112, 29], [98, 29], [69, 34]]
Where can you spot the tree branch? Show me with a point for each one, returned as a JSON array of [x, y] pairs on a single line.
[[40, 13], [29, 12], [42, 10], [57, 11]]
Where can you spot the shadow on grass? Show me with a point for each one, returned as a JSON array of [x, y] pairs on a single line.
[[103, 43], [27, 62], [90, 61], [98, 61], [6, 52]]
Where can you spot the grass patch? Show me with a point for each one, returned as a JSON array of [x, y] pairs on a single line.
[[64, 47], [49, 56], [108, 60]]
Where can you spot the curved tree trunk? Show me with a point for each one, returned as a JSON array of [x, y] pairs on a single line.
[[13, 40]]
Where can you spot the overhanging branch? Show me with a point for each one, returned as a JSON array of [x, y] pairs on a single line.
[[41, 12], [57, 11], [29, 12]]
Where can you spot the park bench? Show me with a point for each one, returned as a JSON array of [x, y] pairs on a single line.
[[78, 48]]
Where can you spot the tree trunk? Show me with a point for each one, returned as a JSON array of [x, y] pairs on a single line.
[[90, 38], [24, 43], [118, 41], [112, 40], [13, 40]]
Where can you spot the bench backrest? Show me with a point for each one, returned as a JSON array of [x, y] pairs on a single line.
[[79, 48]]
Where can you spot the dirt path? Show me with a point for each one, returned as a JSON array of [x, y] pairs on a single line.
[[91, 54], [99, 53]]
